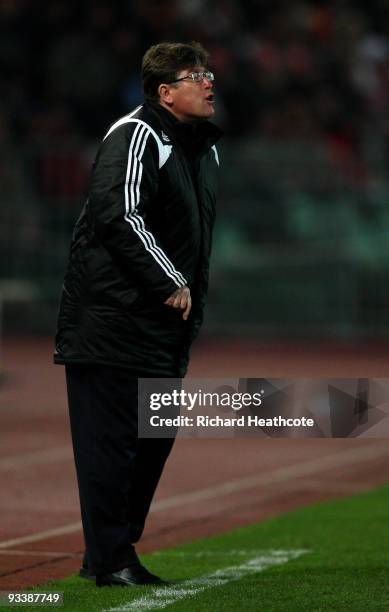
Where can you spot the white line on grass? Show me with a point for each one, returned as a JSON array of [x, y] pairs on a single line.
[[230, 552], [282, 474], [161, 597]]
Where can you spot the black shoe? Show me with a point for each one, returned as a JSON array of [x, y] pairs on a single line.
[[84, 569], [133, 575]]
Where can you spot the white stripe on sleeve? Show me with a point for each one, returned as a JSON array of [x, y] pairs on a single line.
[[132, 198]]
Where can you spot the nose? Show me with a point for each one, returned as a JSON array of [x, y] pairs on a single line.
[[207, 83]]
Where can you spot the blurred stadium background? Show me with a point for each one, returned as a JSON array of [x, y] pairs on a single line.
[[301, 245]]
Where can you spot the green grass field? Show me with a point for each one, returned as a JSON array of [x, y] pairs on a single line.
[[330, 556]]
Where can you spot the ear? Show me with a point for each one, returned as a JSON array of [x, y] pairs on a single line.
[[165, 95]]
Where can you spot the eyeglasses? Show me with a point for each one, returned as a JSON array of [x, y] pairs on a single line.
[[196, 77]]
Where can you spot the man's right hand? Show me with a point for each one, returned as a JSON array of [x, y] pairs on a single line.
[[181, 298]]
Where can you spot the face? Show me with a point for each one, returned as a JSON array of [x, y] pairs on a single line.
[[189, 101]]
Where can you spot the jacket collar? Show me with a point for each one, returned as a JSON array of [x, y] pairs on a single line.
[[191, 136]]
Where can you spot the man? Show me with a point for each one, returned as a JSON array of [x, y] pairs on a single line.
[[133, 296]]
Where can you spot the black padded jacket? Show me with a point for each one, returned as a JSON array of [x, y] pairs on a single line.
[[145, 230]]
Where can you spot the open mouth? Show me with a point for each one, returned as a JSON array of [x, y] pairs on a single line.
[[209, 98]]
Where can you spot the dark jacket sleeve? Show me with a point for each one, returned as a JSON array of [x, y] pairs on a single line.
[[123, 188]]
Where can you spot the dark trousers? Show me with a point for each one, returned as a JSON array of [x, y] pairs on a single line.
[[117, 472]]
